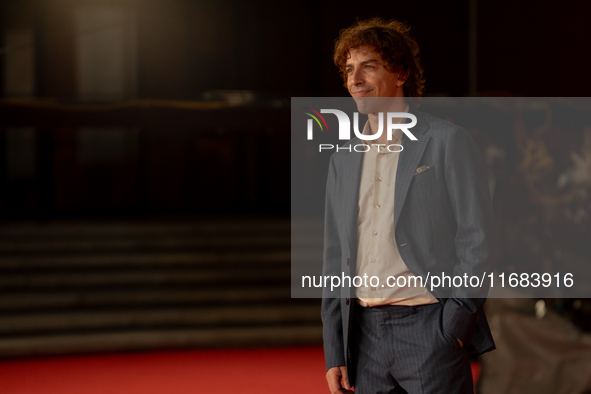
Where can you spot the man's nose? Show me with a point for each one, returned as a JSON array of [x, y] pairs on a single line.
[[356, 77]]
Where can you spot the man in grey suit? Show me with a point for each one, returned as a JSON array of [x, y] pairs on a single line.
[[424, 210]]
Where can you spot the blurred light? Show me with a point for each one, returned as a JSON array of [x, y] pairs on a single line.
[[540, 309]]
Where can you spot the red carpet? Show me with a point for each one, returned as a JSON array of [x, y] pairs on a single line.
[[284, 370]]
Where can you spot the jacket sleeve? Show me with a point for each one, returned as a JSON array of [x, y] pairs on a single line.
[[334, 353], [475, 241]]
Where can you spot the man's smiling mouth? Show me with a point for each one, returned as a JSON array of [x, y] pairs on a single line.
[[359, 93]]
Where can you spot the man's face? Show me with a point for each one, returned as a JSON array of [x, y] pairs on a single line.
[[367, 75]]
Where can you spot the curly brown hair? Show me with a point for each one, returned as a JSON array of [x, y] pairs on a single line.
[[391, 41]]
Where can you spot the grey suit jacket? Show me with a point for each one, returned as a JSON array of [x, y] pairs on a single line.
[[443, 221]]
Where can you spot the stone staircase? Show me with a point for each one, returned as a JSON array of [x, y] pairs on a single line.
[[72, 287]]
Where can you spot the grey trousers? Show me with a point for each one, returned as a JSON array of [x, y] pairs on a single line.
[[404, 349]]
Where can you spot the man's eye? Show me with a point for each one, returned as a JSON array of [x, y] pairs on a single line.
[[367, 67], [349, 70]]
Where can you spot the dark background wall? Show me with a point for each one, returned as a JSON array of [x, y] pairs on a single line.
[[148, 158], [185, 48]]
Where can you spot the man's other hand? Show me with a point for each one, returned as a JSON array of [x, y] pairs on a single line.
[[338, 382]]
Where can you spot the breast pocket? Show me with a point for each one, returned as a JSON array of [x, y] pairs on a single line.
[[423, 176]]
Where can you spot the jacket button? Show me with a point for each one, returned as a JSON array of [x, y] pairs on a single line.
[[347, 261], [346, 301]]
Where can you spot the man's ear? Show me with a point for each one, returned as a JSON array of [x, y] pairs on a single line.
[[401, 78]]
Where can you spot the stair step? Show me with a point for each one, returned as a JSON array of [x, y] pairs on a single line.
[[138, 318], [220, 276], [56, 246], [197, 258], [160, 339], [76, 229], [139, 297], [80, 287]]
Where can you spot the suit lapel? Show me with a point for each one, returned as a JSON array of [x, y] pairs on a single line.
[[408, 162]]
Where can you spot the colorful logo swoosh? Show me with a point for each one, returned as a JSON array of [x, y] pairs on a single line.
[[316, 119]]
